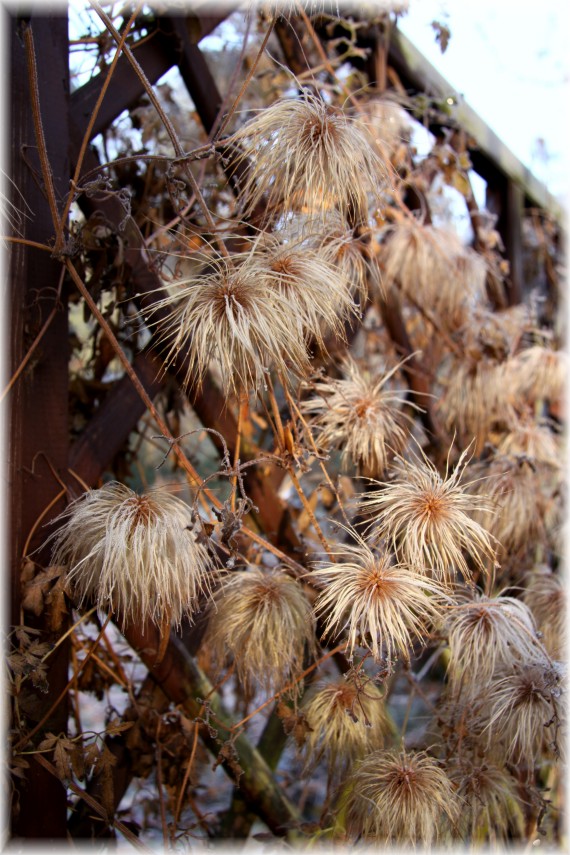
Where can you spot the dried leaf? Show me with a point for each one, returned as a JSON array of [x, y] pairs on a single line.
[[17, 766], [295, 723], [228, 754], [460, 181], [33, 600], [118, 727], [442, 34]]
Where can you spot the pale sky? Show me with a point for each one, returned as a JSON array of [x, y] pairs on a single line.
[[510, 61]]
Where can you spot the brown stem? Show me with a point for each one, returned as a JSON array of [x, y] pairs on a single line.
[[39, 131]]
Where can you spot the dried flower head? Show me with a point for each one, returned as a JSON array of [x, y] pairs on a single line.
[[231, 316], [490, 808], [532, 439], [524, 711], [400, 797], [361, 415], [537, 372], [473, 399], [306, 153], [347, 720], [350, 251], [434, 269], [264, 621], [134, 554], [514, 501], [476, 389], [545, 595], [485, 634], [428, 519], [384, 607], [317, 292]]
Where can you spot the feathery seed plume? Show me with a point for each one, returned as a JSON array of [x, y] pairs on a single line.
[[134, 554], [360, 415], [487, 633], [263, 620], [306, 153], [231, 316], [489, 801], [524, 710], [400, 797], [317, 291], [347, 721], [428, 519], [545, 595], [384, 607]]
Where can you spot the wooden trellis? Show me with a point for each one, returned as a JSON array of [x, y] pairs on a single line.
[[42, 464]]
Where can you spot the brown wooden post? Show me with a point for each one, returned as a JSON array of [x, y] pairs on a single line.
[[37, 442], [506, 199]]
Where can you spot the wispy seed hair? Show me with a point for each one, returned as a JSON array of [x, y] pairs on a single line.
[[382, 606], [346, 721], [524, 710], [485, 634], [231, 316], [428, 519], [305, 153], [400, 797], [134, 554], [263, 620], [362, 415]]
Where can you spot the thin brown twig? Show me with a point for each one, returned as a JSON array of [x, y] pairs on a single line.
[[93, 116], [94, 805], [169, 127], [247, 80], [17, 373], [187, 771], [39, 132], [160, 787], [289, 686]]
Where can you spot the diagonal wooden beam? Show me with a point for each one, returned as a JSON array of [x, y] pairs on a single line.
[[156, 55]]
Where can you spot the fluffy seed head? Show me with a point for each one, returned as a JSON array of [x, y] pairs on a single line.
[[362, 416], [534, 440], [524, 710], [538, 372], [545, 595], [473, 399], [383, 607], [485, 634], [317, 292], [347, 721], [263, 620], [489, 802], [514, 502], [305, 153], [349, 252], [134, 554], [400, 797], [434, 269], [230, 315], [428, 519]]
